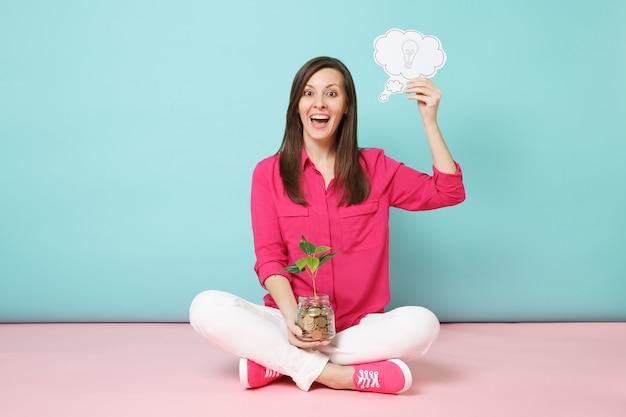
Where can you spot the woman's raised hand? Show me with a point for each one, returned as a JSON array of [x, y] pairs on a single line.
[[427, 95]]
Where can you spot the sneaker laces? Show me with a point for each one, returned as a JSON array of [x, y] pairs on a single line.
[[367, 379], [271, 374]]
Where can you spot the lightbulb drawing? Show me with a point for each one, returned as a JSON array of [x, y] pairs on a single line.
[[409, 49], [405, 55]]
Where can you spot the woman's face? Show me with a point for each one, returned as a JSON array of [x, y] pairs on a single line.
[[322, 105]]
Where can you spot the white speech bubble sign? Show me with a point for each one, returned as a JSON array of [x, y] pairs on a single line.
[[405, 55]]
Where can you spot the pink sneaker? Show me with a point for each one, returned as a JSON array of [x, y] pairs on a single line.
[[388, 377], [253, 375]]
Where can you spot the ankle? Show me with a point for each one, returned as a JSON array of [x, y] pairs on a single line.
[[337, 376]]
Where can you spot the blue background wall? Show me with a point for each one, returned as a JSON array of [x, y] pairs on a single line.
[[129, 131]]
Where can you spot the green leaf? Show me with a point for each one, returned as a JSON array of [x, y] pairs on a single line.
[[302, 263], [307, 247], [293, 268], [325, 258], [313, 263], [322, 248]]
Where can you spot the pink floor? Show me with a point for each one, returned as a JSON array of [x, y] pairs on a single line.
[[503, 370]]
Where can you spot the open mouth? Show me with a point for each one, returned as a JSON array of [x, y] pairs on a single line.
[[319, 120]]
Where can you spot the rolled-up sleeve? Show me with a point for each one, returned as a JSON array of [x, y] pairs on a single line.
[[271, 253], [413, 190]]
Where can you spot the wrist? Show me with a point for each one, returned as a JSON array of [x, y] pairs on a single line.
[[289, 314], [431, 125]]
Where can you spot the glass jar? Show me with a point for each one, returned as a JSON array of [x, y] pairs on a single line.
[[316, 318]]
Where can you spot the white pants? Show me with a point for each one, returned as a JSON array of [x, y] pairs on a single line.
[[259, 333]]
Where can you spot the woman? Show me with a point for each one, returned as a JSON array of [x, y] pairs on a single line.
[[321, 185]]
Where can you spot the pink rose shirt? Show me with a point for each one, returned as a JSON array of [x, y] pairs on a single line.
[[357, 278]]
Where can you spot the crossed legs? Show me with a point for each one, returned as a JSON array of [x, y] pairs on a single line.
[[259, 333]]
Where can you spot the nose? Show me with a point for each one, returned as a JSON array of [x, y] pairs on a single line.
[[320, 101]]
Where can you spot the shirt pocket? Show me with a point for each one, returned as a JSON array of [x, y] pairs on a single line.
[[293, 220], [361, 226]]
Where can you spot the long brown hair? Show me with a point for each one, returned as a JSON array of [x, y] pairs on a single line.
[[350, 179]]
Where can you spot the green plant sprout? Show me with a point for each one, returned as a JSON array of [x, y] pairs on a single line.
[[315, 257]]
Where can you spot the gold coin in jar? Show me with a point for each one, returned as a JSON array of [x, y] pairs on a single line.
[[320, 321], [314, 311], [309, 323], [316, 334]]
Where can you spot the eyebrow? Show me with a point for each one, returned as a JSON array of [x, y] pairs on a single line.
[[328, 86]]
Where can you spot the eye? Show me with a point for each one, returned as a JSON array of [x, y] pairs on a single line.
[[307, 93], [332, 94]]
